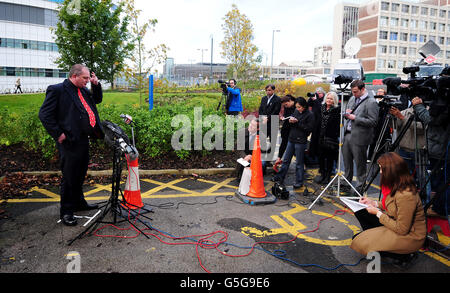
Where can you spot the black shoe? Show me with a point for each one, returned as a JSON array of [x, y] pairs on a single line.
[[69, 220], [297, 186], [86, 207], [318, 179], [405, 262]]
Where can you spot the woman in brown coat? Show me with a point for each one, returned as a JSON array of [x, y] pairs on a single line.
[[395, 226]]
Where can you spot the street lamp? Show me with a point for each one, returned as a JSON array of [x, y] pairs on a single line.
[[271, 63], [203, 50]]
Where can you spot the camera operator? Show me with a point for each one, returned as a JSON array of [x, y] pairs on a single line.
[[234, 100], [436, 119], [315, 102], [408, 144], [361, 120]]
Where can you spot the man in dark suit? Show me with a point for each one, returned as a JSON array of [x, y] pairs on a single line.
[[269, 111], [361, 120], [70, 116]]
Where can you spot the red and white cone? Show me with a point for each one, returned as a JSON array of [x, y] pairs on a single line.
[[132, 194]]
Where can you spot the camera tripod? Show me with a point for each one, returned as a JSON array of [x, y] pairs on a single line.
[[420, 156], [339, 173], [115, 206]]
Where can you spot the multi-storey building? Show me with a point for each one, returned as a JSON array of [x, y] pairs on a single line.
[[27, 47], [392, 32], [345, 27]]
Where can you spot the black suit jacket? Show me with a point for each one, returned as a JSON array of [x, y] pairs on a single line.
[[63, 112], [273, 108]]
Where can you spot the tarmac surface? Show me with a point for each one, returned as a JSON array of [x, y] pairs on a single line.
[[194, 224]]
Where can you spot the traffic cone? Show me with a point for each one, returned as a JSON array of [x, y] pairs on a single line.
[[132, 194], [257, 189]]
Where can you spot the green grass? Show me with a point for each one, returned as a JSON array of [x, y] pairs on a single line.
[[16, 103]]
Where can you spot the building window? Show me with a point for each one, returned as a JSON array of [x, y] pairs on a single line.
[[394, 21], [424, 24], [405, 8], [442, 27], [433, 12], [383, 35], [442, 13], [393, 36], [393, 50], [441, 40], [448, 41], [447, 55], [391, 64], [414, 23], [405, 22], [424, 11], [413, 37], [385, 6], [404, 37], [384, 21], [433, 26], [414, 9], [381, 64], [422, 38], [10, 71], [395, 7], [382, 49], [412, 51], [403, 50]]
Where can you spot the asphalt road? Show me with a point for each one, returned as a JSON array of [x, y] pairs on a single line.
[[196, 225]]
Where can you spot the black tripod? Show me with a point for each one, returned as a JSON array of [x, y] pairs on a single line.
[[115, 206], [388, 146]]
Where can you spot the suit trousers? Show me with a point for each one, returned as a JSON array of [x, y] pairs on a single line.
[[74, 160], [357, 154]]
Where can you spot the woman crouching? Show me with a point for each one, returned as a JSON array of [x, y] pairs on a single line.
[[395, 226]]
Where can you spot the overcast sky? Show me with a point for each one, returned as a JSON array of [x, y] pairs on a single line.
[[187, 25]]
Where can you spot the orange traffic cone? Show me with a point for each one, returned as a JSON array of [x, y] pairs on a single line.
[[257, 189], [132, 194]]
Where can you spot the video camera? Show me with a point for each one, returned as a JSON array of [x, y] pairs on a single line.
[[224, 85], [342, 79], [389, 101]]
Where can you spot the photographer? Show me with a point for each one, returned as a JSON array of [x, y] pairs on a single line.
[[234, 100], [315, 102], [408, 144], [436, 119]]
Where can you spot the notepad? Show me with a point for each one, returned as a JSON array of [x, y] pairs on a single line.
[[353, 205], [243, 162]]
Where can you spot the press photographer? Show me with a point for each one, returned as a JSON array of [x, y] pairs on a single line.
[[233, 101], [437, 121]]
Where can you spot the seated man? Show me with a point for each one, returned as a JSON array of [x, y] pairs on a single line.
[[250, 135]]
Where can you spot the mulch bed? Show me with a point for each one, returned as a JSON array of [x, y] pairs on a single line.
[[14, 160]]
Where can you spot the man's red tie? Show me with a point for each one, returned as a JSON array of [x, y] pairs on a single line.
[[88, 109]]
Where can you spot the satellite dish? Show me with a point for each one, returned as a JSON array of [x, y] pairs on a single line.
[[352, 47]]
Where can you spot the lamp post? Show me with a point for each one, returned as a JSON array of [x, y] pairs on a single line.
[[271, 63]]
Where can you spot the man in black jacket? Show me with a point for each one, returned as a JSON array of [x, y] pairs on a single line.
[[70, 116], [269, 109], [302, 125]]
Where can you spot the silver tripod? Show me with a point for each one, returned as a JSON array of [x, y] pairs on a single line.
[[339, 172]]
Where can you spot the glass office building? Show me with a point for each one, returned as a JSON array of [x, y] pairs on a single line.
[[27, 47]]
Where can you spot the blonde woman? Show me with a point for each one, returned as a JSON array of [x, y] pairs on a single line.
[[328, 137]]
